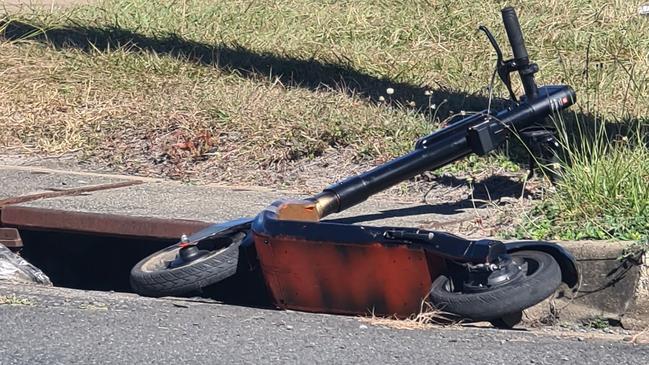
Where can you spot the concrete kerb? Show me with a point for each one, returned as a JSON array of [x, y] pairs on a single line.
[[638, 313], [614, 288]]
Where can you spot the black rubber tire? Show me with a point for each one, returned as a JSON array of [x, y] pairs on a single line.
[[504, 300], [508, 321], [210, 269]]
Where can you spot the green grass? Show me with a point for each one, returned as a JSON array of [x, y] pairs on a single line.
[[243, 91], [597, 323], [603, 187]]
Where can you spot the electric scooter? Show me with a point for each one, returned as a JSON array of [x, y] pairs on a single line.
[[319, 266]]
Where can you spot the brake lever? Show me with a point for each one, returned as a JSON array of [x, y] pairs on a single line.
[[504, 68], [493, 42]]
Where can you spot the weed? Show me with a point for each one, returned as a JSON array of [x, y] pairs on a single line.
[[13, 299], [598, 323]]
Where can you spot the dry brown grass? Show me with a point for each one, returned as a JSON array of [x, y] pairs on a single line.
[[640, 338], [14, 300], [130, 119], [428, 317], [271, 83]]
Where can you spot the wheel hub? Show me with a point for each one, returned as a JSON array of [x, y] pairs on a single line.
[[186, 255], [486, 277], [190, 253]]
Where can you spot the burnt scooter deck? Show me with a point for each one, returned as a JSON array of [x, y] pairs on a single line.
[[351, 269], [338, 268]]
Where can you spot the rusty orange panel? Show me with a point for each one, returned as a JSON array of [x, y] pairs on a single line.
[[97, 223], [345, 278]]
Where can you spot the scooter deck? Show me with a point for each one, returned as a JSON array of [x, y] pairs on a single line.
[[346, 269]]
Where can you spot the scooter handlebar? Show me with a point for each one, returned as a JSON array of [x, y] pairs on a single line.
[[514, 33]]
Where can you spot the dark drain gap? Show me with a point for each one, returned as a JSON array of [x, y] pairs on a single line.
[[92, 262]]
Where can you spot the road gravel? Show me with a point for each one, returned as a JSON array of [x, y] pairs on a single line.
[[64, 326]]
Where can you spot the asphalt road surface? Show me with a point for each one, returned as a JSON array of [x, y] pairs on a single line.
[[63, 326]]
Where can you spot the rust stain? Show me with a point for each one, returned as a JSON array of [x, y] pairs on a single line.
[[345, 278], [10, 238], [97, 223]]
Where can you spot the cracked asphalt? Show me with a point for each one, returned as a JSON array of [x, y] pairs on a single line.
[[64, 326]]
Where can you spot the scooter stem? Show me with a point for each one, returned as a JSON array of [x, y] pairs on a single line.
[[479, 133]]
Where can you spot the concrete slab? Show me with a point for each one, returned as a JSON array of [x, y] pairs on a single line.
[[164, 208], [169, 200], [16, 181]]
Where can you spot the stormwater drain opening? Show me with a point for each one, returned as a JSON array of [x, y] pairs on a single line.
[[103, 263], [86, 262]]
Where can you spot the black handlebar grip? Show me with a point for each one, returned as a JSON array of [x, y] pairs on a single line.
[[513, 29]]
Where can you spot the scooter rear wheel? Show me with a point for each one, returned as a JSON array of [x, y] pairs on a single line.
[[541, 280]]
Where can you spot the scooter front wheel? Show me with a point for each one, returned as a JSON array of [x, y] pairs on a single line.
[[183, 268], [542, 278]]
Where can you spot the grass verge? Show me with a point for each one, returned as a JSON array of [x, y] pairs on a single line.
[[603, 187]]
